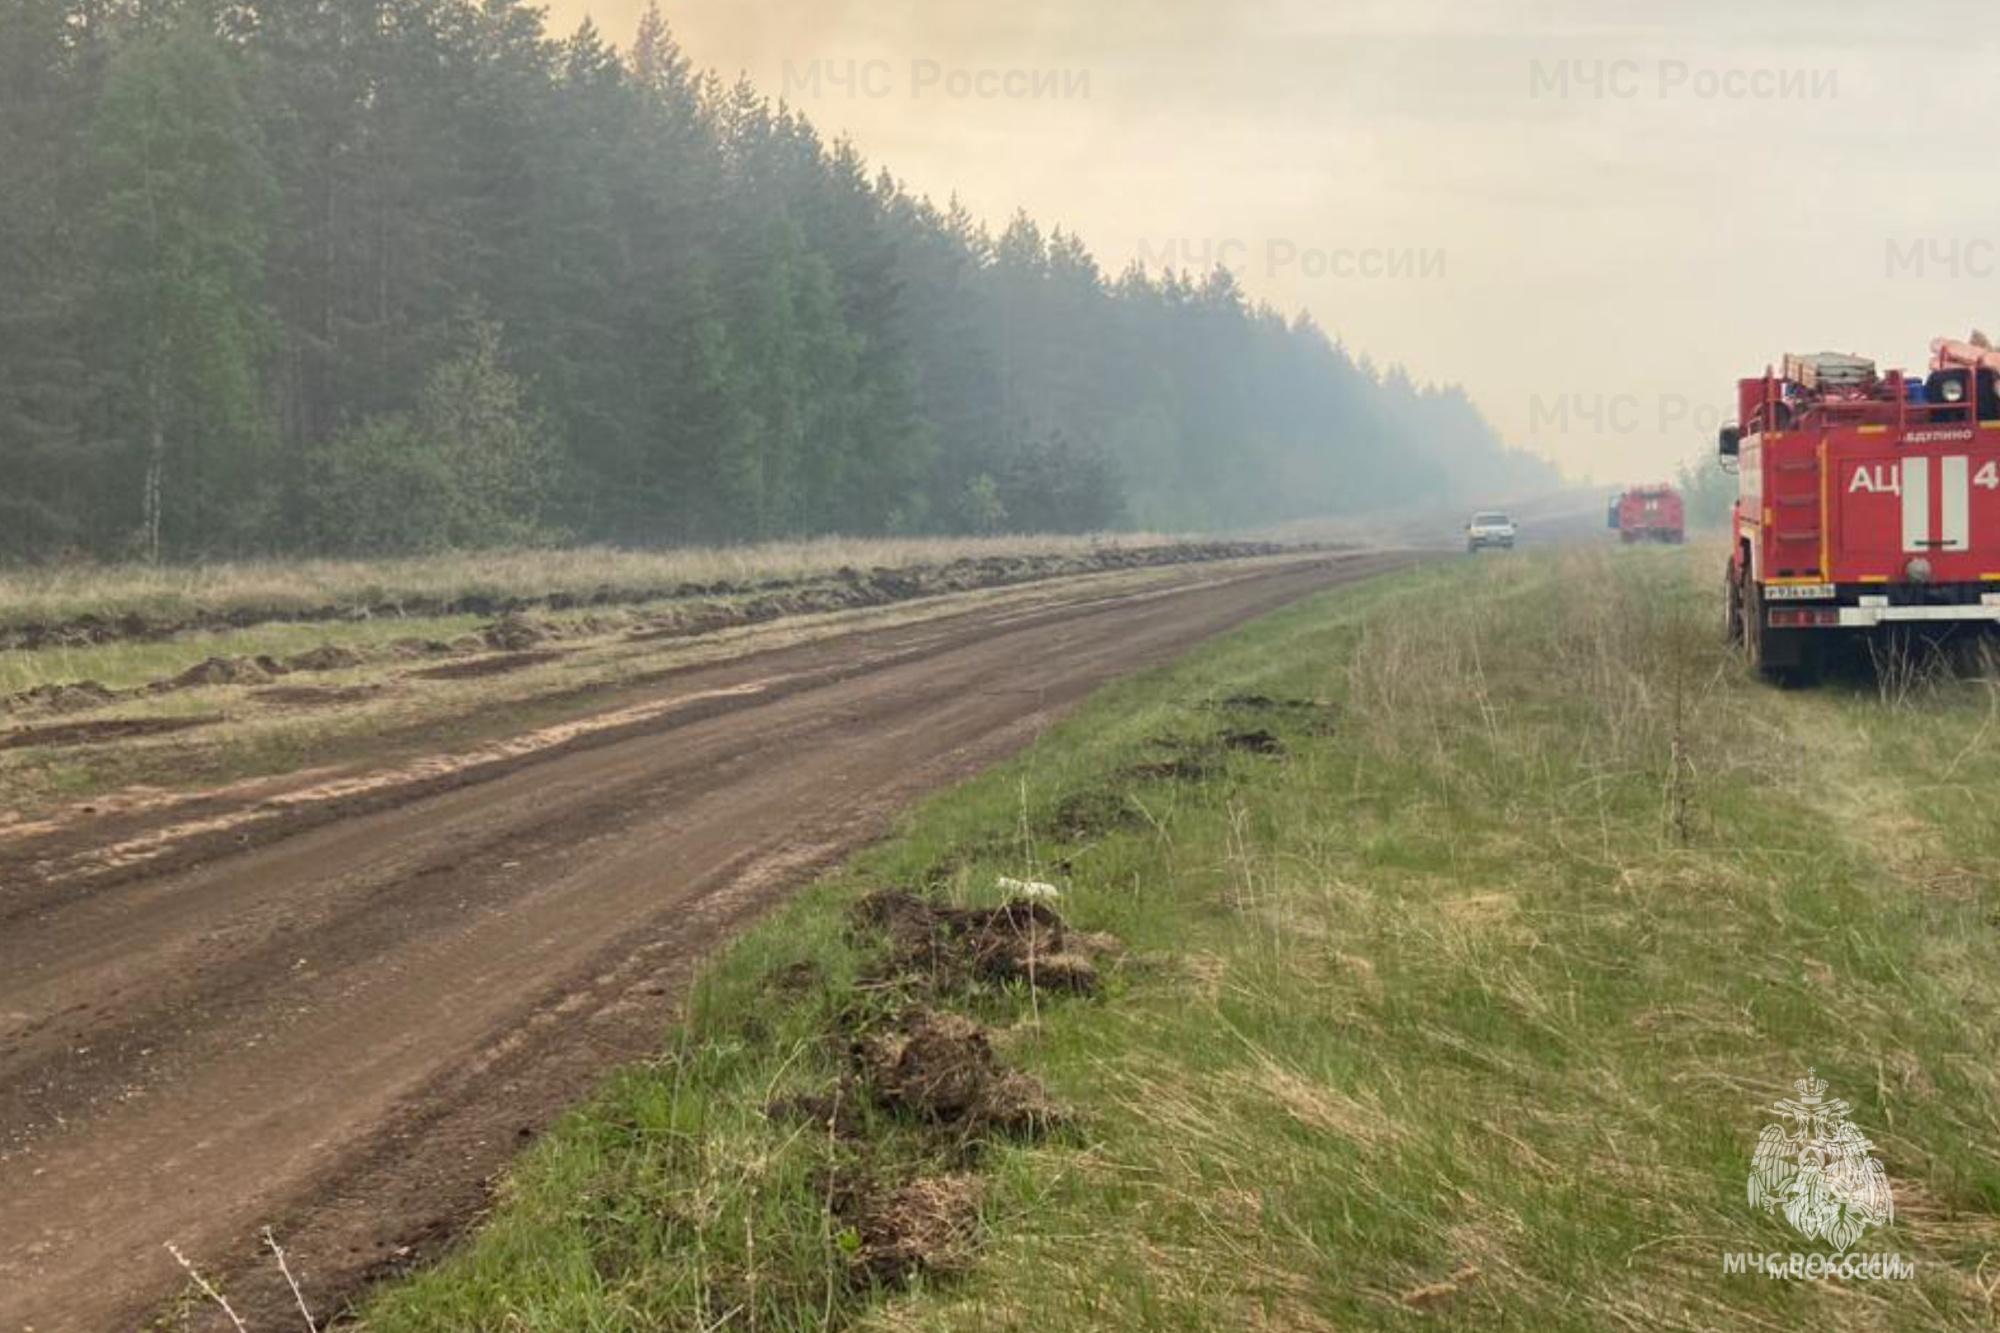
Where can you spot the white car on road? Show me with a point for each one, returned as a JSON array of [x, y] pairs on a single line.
[[1491, 531]]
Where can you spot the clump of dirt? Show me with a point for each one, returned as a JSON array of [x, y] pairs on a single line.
[[223, 671], [80, 697], [940, 1067], [326, 657], [951, 948], [1187, 762], [931, 1067], [92, 733], [489, 666], [415, 649], [588, 627], [1092, 812], [925, 1225], [1254, 742], [1184, 769], [514, 634], [1199, 760], [1264, 703]]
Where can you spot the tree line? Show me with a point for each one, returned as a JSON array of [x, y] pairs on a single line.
[[370, 276]]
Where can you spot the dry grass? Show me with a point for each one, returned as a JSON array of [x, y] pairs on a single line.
[[1507, 972], [56, 594]]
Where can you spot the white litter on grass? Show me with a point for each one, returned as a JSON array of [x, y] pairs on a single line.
[[1028, 888]]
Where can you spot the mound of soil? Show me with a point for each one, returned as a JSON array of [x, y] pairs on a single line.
[[1189, 764], [223, 671], [1254, 742], [327, 657], [93, 733], [941, 1068], [950, 948], [691, 622], [1091, 813], [80, 697], [924, 1225], [409, 649], [514, 634], [489, 666], [1264, 703]]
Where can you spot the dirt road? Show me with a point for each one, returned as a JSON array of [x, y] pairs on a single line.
[[346, 1031]]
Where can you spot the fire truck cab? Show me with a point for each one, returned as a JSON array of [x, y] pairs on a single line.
[[1866, 501]]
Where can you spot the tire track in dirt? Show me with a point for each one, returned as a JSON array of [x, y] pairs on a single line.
[[346, 1028]]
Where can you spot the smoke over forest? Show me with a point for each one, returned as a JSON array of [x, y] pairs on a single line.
[[297, 276]]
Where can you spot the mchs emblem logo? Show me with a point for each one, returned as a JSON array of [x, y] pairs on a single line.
[[1814, 1165]]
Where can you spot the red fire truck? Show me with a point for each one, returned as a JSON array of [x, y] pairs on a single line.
[[1866, 501], [1649, 514]]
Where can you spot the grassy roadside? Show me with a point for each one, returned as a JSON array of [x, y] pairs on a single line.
[[327, 589], [1471, 921]]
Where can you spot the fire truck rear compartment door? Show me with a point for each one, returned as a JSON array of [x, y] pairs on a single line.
[[1870, 498]]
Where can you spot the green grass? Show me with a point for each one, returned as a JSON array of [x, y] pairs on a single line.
[[1464, 1012]]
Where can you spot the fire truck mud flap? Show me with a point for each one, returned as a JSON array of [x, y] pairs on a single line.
[[1773, 652]]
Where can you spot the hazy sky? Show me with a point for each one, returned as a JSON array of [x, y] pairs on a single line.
[[1596, 216]]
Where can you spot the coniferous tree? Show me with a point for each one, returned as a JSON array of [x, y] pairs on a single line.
[[176, 309], [46, 467], [238, 238]]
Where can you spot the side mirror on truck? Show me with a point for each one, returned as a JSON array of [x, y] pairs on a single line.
[[1730, 443]]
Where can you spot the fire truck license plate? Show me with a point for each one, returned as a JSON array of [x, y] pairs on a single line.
[[1798, 592]]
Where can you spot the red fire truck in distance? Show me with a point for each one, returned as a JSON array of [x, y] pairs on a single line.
[[1650, 514], [1866, 501]]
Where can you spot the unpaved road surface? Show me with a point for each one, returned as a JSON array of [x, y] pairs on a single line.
[[345, 1028]]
